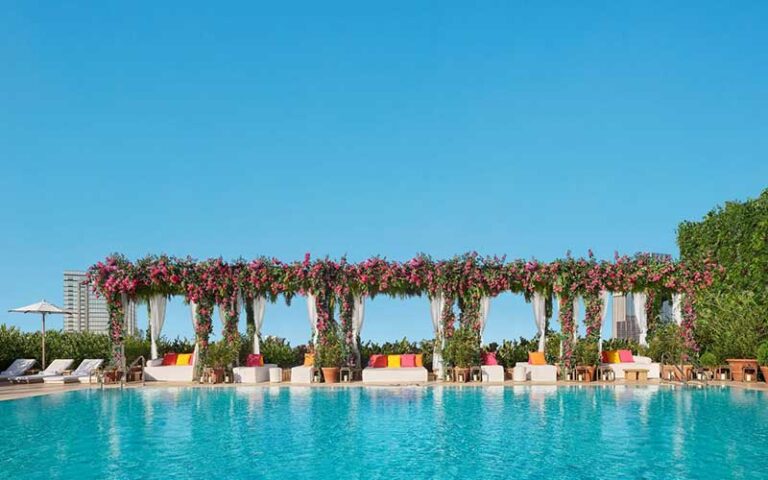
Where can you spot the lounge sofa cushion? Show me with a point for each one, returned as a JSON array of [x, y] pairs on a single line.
[[393, 361], [408, 360], [536, 358], [169, 359], [254, 360], [377, 361], [612, 357], [184, 359], [419, 360], [626, 356], [489, 358], [309, 359]]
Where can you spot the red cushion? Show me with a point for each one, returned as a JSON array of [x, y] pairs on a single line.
[[378, 361], [169, 359], [408, 360], [604, 356], [489, 358], [254, 360], [626, 356]]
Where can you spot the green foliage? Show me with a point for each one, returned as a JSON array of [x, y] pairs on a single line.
[[623, 344], [666, 342], [329, 352], [512, 351], [586, 352], [731, 324], [463, 348], [221, 354], [424, 347], [709, 359], [762, 354], [278, 351]]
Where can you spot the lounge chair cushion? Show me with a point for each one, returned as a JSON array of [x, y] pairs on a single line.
[[377, 361], [393, 361], [419, 360], [184, 359], [489, 358], [408, 360], [626, 356], [254, 360], [169, 359], [309, 359], [612, 357], [536, 358]]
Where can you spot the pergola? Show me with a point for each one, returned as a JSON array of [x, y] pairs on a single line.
[[469, 281]]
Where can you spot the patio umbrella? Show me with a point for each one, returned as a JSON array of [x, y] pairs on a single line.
[[43, 308]]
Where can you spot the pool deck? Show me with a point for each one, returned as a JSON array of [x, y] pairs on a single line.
[[12, 392]]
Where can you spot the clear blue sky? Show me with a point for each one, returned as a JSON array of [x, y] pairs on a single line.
[[507, 128]]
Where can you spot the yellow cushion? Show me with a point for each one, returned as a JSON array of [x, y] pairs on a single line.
[[184, 359], [419, 359], [613, 357], [309, 359], [393, 361], [536, 358]]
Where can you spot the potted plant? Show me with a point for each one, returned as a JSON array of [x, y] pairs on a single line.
[[709, 364], [219, 356], [462, 351], [762, 360], [587, 358], [330, 356]]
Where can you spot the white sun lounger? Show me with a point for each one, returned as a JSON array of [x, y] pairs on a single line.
[[54, 369], [17, 368], [84, 373]]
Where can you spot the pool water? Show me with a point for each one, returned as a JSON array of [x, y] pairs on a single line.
[[547, 433]]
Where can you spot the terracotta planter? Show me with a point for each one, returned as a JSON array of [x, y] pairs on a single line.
[[460, 374], [737, 367], [331, 375], [217, 375], [588, 372], [765, 373]]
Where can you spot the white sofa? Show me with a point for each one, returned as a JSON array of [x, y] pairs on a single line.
[[253, 374], [156, 372], [395, 375], [535, 373], [654, 369], [302, 374], [492, 373]]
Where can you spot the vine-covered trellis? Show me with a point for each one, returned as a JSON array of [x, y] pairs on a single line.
[[462, 280]]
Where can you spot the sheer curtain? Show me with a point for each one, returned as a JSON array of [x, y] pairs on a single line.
[[638, 303], [604, 295], [193, 312], [358, 315], [157, 305], [259, 303], [437, 304], [312, 315], [540, 317], [677, 308], [485, 306]]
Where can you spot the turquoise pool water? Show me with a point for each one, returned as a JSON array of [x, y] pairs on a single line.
[[279, 433]]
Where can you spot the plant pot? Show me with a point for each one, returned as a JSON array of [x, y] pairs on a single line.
[[460, 374], [588, 371], [764, 370], [737, 367], [217, 375], [331, 375]]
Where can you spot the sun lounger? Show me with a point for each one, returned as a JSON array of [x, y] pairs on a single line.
[[84, 373], [54, 369], [17, 368]]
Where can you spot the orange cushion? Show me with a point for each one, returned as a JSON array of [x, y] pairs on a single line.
[[393, 361], [613, 357], [309, 359], [184, 359], [419, 359], [536, 358]]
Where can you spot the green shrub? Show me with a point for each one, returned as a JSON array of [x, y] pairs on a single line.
[[667, 342], [709, 359], [463, 348], [586, 352], [762, 355], [329, 351], [278, 351], [730, 325], [221, 355]]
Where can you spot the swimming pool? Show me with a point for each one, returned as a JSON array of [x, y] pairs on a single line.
[[388, 433]]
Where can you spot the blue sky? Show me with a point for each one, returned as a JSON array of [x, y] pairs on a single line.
[[240, 130]]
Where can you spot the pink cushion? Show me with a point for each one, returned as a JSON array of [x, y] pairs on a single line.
[[254, 360], [408, 360], [489, 358], [626, 356], [378, 361]]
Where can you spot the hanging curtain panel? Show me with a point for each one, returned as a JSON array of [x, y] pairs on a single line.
[[157, 305], [638, 302], [358, 315], [604, 295], [312, 315], [540, 317], [485, 306], [436, 307], [677, 308], [259, 304], [193, 312]]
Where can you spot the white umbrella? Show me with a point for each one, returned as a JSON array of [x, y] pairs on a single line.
[[43, 308]]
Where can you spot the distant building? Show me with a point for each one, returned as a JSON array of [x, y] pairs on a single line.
[[89, 312]]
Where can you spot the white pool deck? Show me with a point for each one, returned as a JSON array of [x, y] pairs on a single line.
[[11, 392]]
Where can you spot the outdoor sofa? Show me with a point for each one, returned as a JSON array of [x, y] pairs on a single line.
[[395, 369]]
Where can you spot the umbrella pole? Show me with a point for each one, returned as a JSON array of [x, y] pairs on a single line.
[[43, 340]]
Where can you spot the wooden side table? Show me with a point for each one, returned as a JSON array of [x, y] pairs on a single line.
[[636, 374]]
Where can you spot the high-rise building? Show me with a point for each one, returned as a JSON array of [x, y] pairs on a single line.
[[89, 312]]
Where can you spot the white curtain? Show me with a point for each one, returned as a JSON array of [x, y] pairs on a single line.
[[157, 305], [437, 304], [312, 314], [358, 315], [638, 302], [193, 312], [604, 295], [575, 317], [485, 306], [540, 317], [258, 304], [677, 308]]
